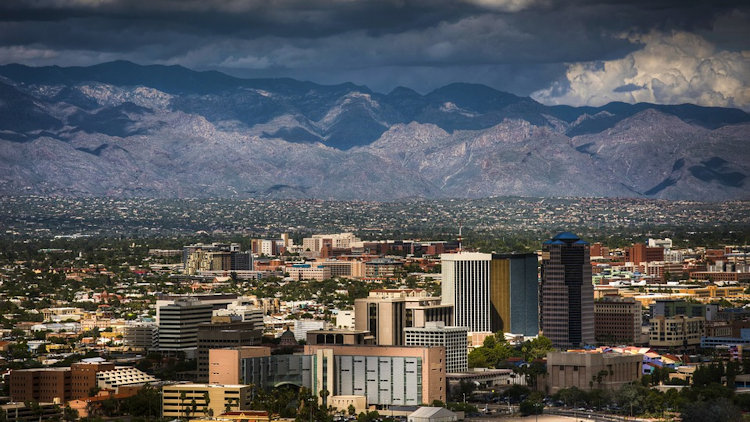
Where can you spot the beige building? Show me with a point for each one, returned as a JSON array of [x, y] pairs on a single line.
[[334, 241], [677, 331], [385, 318], [588, 370], [194, 401], [384, 375], [308, 272], [342, 403], [224, 364], [431, 360], [352, 268], [386, 313]]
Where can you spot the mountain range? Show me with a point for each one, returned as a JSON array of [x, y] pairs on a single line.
[[125, 130]]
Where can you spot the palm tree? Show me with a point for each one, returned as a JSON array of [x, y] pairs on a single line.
[[193, 406], [183, 397], [207, 401]]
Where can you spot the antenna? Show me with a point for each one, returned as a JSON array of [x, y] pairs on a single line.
[[460, 227]]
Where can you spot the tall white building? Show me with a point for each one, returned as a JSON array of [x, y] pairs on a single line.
[[466, 286], [454, 339], [178, 324]]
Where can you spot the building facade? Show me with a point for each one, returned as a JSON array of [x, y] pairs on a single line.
[[617, 320], [679, 331], [492, 292], [208, 399], [466, 286], [220, 335], [42, 385], [385, 318], [454, 339], [566, 299], [587, 370], [514, 291], [140, 336], [178, 324], [384, 375]]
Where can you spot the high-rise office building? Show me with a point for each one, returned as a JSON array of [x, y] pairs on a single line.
[[178, 324], [492, 292], [514, 290], [567, 294], [466, 286]]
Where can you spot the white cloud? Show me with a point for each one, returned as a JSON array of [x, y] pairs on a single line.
[[673, 68], [504, 5]]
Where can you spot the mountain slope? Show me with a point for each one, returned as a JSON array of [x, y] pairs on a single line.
[[127, 130]]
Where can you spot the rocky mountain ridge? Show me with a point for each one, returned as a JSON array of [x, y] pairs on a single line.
[[120, 129]]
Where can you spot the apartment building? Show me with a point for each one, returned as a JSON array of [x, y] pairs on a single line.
[[678, 331]]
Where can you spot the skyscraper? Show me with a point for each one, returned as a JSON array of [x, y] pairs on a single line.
[[466, 286], [492, 292], [567, 294], [514, 289]]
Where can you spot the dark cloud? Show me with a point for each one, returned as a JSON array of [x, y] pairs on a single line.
[[519, 46]]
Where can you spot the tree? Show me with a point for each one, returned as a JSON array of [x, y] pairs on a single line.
[[368, 417], [533, 405], [351, 410], [207, 401], [536, 348], [193, 407], [719, 410], [183, 397]]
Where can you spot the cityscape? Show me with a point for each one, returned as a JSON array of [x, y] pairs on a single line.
[[374, 211], [104, 324]]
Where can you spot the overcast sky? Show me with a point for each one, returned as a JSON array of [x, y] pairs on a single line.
[[559, 52]]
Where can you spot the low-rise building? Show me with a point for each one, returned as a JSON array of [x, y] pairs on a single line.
[[122, 376], [193, 401], [385, 376], [225, 364], [587, 370], [678, 331], [42, 385], [308, 272]]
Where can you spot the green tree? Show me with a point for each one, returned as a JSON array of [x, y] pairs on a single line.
[[536, 348], [719, 410]]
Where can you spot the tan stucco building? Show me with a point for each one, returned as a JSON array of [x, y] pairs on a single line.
[[193, 401], [588, 370]]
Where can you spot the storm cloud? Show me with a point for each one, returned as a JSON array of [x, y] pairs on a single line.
[[578, 52]]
